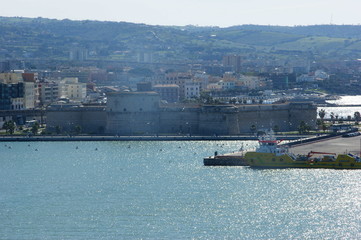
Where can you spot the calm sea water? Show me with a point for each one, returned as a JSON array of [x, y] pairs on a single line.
[[161, 190]]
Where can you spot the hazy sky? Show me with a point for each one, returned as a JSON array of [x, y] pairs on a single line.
[[196, 12]]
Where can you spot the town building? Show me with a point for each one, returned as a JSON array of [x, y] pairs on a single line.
[[18, 90], [192, 90], [168, 92], [177, 78], [48, 92], [251, 82], [12, 96], [233, 61], [226, 85], [72, 89]]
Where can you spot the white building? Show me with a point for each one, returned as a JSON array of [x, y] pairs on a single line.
[[226, 85], [72, 89], [11, 77], [214, 86], [17, 103], [49, 92], [192, 90], [306, 78], [202, 78], [321, 75], [29, 95]]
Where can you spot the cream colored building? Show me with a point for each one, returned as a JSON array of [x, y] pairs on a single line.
[[11, 77], [251, 82], [72, 89], [29, 95]]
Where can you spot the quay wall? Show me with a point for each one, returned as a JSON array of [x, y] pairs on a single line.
[[89, 119]]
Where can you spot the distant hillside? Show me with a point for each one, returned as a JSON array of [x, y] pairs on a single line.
[[40, 38]]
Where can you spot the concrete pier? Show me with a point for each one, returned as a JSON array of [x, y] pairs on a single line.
[[232, 159]]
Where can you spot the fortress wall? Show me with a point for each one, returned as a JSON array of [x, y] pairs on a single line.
[[218, 120], [132, 102], [263, 119], [93, 121], [90, 120], [211, 123], [132, 113], [139, 113], [129, 123], [185, 122], [66, 120], [306, 112], [210, 120]]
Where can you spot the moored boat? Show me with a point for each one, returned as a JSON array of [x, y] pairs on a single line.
[[270, 154]]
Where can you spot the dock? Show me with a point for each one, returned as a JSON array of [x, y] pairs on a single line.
[[329, 144], [338, 145], [229, 159]]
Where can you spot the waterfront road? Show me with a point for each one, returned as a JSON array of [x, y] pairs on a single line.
[[12, 138], [336, 145]]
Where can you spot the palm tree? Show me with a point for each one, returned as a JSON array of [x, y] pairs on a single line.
[[322, 114], [303, 127], [357, 116], [332, 117], [9, 126], [58, 129], [276, 128], [78, 129], [253, 128], [35, 128]]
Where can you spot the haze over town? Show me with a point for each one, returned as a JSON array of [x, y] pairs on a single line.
[[187, 12]]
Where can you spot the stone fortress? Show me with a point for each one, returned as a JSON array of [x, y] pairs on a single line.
[[137, 113]]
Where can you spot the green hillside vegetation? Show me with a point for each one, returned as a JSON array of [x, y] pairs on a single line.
[[40, 38], [313, 43]]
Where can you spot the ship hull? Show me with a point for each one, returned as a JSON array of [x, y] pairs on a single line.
[[270, 160]]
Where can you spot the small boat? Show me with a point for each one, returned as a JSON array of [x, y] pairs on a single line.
[[270, 154]]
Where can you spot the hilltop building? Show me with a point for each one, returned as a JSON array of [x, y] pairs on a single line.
[[232, 61], [78, 54]]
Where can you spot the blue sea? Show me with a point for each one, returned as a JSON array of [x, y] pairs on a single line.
[[161, 190]]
